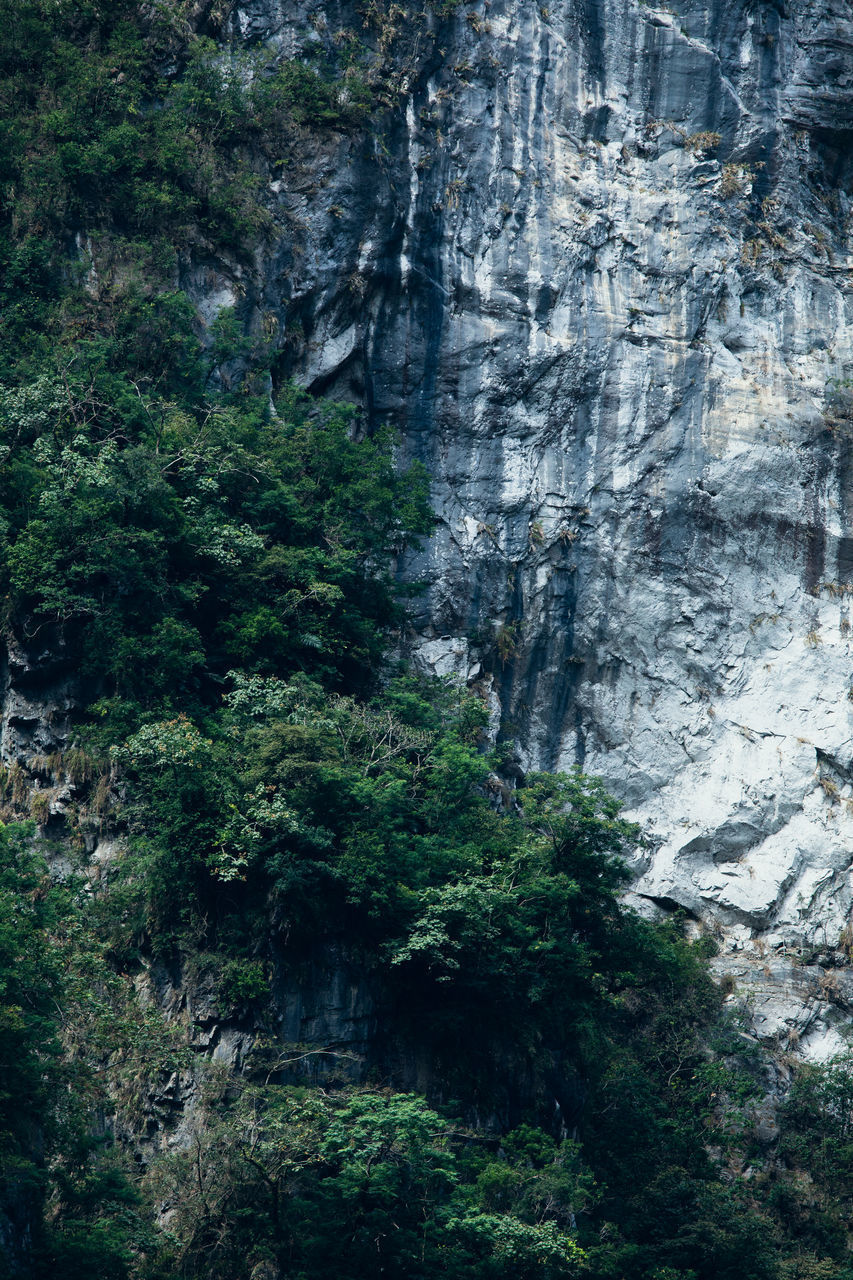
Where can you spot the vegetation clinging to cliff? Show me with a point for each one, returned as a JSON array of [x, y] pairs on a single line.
[[218, 571]]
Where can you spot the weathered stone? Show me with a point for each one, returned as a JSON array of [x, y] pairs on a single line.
[[594, 262], [605, 292]]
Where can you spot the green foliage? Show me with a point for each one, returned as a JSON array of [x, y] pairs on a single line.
[[312, 95], [347, 1186], [30, 981], [216, 567], [244, 982], [52, 982], [169, 543], [125, 117], [500, 939], [814, 1190]]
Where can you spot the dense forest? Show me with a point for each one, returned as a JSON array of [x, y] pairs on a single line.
[[548, 1085]]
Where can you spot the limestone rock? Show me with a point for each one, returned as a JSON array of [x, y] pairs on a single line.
[[605, 293], [594, 261]]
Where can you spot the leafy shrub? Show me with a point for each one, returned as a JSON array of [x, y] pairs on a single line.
[[244, 982]]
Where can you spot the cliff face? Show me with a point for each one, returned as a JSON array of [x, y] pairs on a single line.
[[598, 271], [594, 262]]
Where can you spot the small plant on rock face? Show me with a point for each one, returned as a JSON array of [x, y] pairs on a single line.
[[40, 807], [78, 764], [705, 140], [16, 783], [244, 982], [751, 252], [507, 641], [102, 797], [732, 182], [829, 984]]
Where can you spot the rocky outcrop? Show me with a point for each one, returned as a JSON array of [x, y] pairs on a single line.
[[593, 259], [39, 691], [596, 267]]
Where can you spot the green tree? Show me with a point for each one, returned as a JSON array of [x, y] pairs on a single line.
[[351, 1185]]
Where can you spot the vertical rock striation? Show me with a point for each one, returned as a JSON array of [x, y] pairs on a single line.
[[593, 258], [597, 269]]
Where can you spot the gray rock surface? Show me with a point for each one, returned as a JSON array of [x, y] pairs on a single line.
[[593, 259], [598, 272]]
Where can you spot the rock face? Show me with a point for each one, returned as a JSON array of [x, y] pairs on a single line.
[[593, 258], [597, 269]]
